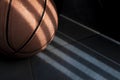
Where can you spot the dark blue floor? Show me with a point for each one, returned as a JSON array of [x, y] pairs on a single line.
[[75, 53]]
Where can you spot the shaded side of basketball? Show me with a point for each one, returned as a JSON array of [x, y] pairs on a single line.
[[4, 48], [31, 26]]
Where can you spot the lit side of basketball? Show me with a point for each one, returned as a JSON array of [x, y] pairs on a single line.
[[31, 26]]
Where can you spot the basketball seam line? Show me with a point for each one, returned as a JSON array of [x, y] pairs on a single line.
[[34, 30], [43, 45], [7, 21]]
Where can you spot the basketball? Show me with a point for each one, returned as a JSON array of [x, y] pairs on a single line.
[[26, 26]]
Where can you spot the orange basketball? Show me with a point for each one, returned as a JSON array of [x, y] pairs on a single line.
[[26, 26]]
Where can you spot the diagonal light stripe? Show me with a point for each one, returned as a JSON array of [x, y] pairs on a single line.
[[77, 65], [59, 66], [60, 41], [90, 59], [22, 10]]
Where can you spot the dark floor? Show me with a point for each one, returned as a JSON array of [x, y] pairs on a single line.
[[76, 53]]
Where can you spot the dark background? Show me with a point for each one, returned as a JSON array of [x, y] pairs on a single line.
[[99, 15]]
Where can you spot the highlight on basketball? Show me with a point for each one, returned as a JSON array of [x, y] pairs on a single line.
[[26, 26]]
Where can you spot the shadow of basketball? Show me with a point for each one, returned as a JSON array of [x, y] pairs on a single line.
[[26, 27]]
